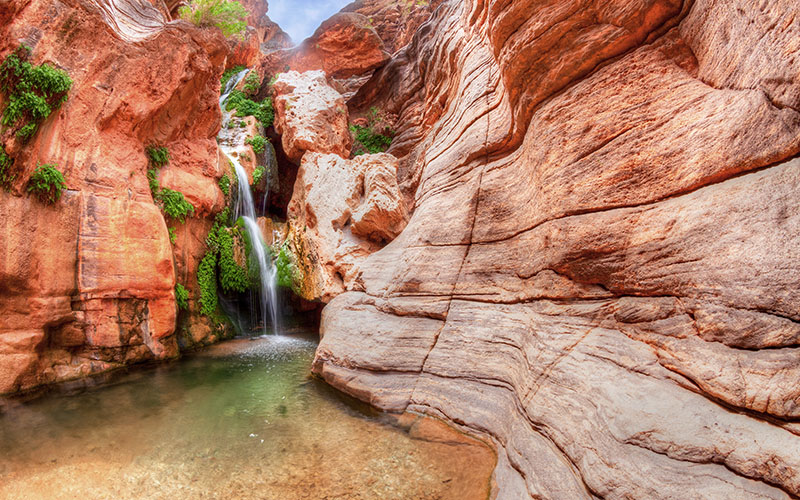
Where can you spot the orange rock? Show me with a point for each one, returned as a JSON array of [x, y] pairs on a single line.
[[345, 45], [92, 276]]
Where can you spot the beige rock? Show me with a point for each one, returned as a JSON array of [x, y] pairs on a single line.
[[600, 273], [343, 210], [310, 115]]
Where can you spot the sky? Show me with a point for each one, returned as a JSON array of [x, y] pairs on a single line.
[[300, 18]]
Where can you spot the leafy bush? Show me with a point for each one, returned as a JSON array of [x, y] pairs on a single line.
[[228, 74], [228, 15], [158, 155], [152, 179], [262, 111], [173, 238], [207, 281], [6, 177], [175, 205], [259, 144], [181, 297], [232, 277], [252, 83], [225, 185], [32, 92], [47, 183]]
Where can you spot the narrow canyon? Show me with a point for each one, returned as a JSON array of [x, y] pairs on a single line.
[[550, 249]]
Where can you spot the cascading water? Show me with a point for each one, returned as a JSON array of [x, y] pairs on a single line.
[[232, 144]]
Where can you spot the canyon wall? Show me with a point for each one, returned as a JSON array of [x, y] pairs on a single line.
[[601, 272], [87, 284]]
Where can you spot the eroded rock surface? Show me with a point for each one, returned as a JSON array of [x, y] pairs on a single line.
[[344, 46], [310, 115], [341, 212], [87, 284], [601, 270]]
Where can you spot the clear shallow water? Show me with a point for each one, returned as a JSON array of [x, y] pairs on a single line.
[[240, 420]]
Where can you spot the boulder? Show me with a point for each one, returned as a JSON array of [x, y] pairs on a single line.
[[310, 115], [342, 211]]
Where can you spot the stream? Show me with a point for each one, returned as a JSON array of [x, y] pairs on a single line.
[[242, 420]]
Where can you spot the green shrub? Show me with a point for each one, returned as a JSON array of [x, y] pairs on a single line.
[[175, 205], [259, 144], [207, 281], [158, 155], [225, 184], [244, 106], [228, 74], [232, 276], [228, 15], [32, 92], [368, 141], [252, 83], [47, 183], [173, 238], [152, 179], [181, 297], [6, 177]]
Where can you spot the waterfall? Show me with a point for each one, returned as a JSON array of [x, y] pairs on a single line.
[[231, 142]]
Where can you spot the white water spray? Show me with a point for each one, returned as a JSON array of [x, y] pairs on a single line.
[[233, 146]]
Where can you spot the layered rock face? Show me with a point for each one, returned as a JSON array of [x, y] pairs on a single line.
[[601, 270], [87, 284]]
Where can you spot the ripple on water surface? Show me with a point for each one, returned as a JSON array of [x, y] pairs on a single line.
[[240, 420]]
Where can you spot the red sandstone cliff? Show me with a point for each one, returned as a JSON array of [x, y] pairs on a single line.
[[87, 284], [601, 271]]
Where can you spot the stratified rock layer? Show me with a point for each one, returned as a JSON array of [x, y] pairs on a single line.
[[601, 273], [87, 284]]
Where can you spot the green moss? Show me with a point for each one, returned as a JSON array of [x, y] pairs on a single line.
[[32, 92], [152, 179], [175, 205], [259, 144], [252, 83], [225, 185], [207, 281], [228, 15], [244, 106], [228, 74], [285, 269], [47, 183], [158, 155], [6, 177], [181, 297]]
